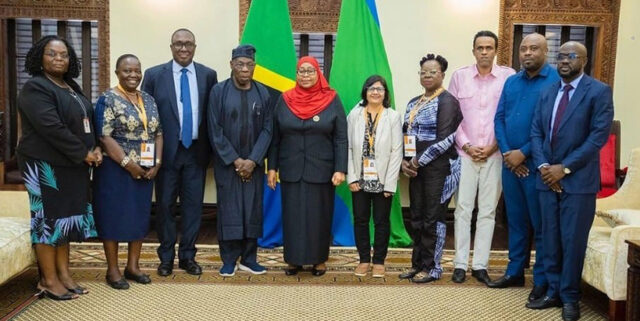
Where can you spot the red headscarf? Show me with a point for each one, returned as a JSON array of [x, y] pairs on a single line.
[[306, 103]]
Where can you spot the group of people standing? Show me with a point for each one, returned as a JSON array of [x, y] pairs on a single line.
[[494, 130]]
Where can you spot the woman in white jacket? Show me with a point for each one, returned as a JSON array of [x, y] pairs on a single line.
[[375, 156]]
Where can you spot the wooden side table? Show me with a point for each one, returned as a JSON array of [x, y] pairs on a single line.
[[633, 281]]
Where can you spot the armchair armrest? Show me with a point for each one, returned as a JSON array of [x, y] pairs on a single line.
[[615, 273]]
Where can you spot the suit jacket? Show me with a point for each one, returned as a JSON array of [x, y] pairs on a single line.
[[309, 150], [388, 146], [158, 82], [583, 130]]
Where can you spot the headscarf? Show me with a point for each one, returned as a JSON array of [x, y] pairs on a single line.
[[306, 103]]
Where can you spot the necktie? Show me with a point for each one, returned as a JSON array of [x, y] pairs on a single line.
[[187, 118], [562, 106]]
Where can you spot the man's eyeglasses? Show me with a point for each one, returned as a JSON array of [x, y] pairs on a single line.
[[571, 56], [187, 45], [431, 73], [303, 72], [241, 65], [375, 89]]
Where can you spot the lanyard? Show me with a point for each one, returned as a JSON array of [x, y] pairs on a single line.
[[142, 113], [372, 130], [420, 104]]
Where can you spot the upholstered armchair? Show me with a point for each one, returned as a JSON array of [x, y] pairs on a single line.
[[617, 219], [16, 252]]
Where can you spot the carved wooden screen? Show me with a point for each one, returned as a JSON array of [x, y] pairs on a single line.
[[602, 15]]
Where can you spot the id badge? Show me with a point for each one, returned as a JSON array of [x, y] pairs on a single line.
[[369, 172], [409, 146], [87, 125], [147, 155]]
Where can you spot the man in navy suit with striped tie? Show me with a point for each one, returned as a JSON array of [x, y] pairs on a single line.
[[181, 88], [571, 124]]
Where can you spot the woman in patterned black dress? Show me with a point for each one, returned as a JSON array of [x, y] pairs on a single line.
[[56, 150]]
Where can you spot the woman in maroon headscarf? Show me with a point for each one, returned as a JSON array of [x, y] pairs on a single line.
[[309, 149]]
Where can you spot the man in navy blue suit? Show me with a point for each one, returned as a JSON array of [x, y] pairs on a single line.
[[571, 124], [181, 89]]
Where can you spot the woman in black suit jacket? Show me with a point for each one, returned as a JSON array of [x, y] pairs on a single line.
[[309, 149]]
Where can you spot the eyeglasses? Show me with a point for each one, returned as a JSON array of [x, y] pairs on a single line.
[[571, 56], [375, 89], [53, 54], [303, 72], [187, 45], [241, 65], [431, 73]]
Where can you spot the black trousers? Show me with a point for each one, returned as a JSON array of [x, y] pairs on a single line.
[[185, 179], [245, 249], [425, 191], [362, 204]]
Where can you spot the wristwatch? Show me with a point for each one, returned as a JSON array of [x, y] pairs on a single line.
[[566, 170], [125, 160]]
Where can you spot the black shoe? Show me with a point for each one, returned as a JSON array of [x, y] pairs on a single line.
[[408, 274], [45, 293], [423, 277], [481, 275], [544, 302], [78, 290], [458, 275], [165, 269], [506, 281], [317, 272], [190, 266], [139, 278], [538, 292], [121, 284], [292, 270], [571, 311]]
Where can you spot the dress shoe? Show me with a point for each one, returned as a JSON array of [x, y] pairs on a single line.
[[537, 292], [571, 311], [458, 275], [252, 267], [121, 284], [481, 275], [292, 270], [544, 302], [190, 266], [78, 290], [507, 281], [318, 272], [408, 274], [362, 269], [139, 278], [422, 277], [228, 270], [165, 269], [378, 271], [44, 293]]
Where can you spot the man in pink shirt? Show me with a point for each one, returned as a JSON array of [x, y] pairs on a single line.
[[478, 88]]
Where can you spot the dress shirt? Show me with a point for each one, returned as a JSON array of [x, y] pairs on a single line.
[[193, 91], [573, 84], [478, 96], [516, 108]]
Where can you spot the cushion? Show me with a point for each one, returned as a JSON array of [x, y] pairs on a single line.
[[16, 253], [608, 163]]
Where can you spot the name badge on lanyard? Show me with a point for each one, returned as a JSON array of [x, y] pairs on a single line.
[[369, 172], [147, 155], [409, 145], [87, 125]]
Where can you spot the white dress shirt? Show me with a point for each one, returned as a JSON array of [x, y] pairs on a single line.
[[193, 90]]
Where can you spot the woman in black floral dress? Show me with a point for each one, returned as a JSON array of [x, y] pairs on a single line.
[[55, 152]]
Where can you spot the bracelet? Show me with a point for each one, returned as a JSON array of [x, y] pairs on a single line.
[[158, 161], [125, 161]]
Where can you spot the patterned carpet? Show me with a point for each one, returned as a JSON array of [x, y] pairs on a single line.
[[338, 295]]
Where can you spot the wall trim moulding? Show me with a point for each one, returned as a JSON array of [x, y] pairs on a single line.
[[601, 14], [307, 16]]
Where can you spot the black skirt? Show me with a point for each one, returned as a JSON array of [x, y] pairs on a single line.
[[307, 214]]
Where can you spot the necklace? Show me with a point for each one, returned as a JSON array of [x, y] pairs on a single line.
[[55, 81]]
